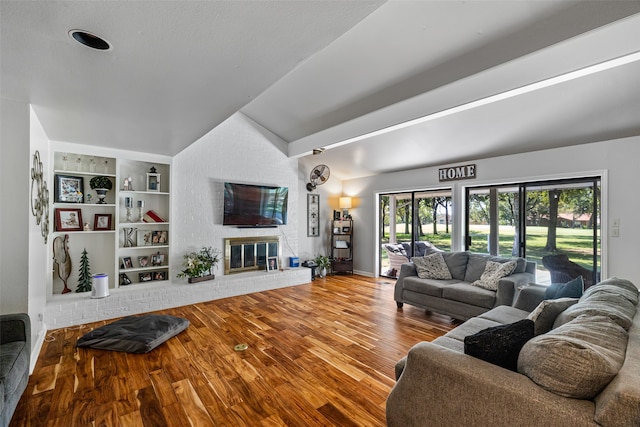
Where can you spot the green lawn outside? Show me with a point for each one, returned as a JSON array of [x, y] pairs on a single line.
[[576, 243]]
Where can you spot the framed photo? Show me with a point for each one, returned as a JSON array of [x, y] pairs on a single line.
[[143, 261], [102, 222], [124, 279], [160, 237], [68, 189], [157, 259], [68, 219], [346, 230], [336, 215], [159, 275], [145, 237], [145, 277], [313, 215], [272, 264], [126, 262]]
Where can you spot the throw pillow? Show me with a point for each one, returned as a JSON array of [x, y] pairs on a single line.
[[432, 267], [500, 345], [546, 312], [576, 360], [572, 289], [493, 272]]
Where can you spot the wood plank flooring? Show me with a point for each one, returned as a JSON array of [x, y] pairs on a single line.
[[320, 354]]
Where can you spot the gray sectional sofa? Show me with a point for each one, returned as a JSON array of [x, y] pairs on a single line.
[[456, 297], [15, 351], [585, 371]]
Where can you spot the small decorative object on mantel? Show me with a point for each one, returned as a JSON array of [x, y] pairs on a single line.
[[199, 265], [101, 184], [62, 259]]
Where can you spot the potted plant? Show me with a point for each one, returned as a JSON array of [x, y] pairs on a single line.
[[101, 184], [199, 265], [322, 262]]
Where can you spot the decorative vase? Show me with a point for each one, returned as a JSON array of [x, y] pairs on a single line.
[[323, 272], [102, 193], [201, 278]]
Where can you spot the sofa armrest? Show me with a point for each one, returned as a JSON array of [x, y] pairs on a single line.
[[15, 327], [529, 297], [440, 386], [507, 287], [407, 269]]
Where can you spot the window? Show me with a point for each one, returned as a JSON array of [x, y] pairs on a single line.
[[555, 223], [408, 218]]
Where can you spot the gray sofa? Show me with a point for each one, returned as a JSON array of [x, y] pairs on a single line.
[[456, 297], [15, 350], [439, 385]]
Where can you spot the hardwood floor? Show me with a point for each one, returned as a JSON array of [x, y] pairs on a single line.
[[319, 354]]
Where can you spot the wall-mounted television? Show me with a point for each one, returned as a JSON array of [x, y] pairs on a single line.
[[255, 205]]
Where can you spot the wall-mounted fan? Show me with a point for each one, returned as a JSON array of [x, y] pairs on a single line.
[[319, 175]]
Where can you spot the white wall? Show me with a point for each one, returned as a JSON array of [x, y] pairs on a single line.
[[238, 150], [618, 158], [14, 207]]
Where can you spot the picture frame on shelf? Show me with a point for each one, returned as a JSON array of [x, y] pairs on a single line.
[[68, 189], [272, 264], [346, 230], [145, 237], [124, 279], [159, 275], [157, 259], [68, 219], [145, 277], [143, 261], [126, 262], [102, 222], [336, 215], [160, 237]]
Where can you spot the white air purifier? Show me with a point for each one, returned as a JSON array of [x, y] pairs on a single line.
[[100, 285]]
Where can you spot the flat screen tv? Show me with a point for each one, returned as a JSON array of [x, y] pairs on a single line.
[[255, 205]]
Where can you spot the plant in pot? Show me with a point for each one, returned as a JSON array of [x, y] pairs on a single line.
[[101, 184], [323, 262], [198, 266]]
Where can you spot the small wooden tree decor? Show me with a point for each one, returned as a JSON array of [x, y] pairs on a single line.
[[84, 279]]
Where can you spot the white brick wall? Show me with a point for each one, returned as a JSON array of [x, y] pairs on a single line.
[[75, 309], [238, 150]]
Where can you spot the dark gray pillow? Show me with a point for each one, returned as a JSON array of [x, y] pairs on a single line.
[[501, 344], [572, 289], [134, 334]]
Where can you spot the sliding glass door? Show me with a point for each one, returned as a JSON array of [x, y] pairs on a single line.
[[409, 222], [555, 223]]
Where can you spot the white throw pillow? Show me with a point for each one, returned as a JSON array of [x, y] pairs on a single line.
[[493, 272], [432, 267]]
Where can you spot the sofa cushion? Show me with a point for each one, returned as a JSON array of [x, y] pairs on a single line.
[[476, 264], [546, 312], [521, 263], [134, 334], [14, 364], [572, 289], [464, 292], [493, 272], [457, 263], [432, 267], [504, 314], [576, 360], [613, 305], [431, 287], [501, 344], [616, 286]]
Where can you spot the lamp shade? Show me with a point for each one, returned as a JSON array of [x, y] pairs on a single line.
[[345, 202]]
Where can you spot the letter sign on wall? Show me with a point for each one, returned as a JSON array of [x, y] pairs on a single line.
[[457, 172]]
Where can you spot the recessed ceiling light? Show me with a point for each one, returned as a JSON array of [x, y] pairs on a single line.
[[89, 40]]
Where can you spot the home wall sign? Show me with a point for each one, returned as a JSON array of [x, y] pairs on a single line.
[[456, 173]]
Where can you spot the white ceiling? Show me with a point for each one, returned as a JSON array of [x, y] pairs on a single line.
[[320, 73]]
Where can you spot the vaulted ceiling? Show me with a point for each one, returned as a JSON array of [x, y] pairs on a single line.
[[384, 86]]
